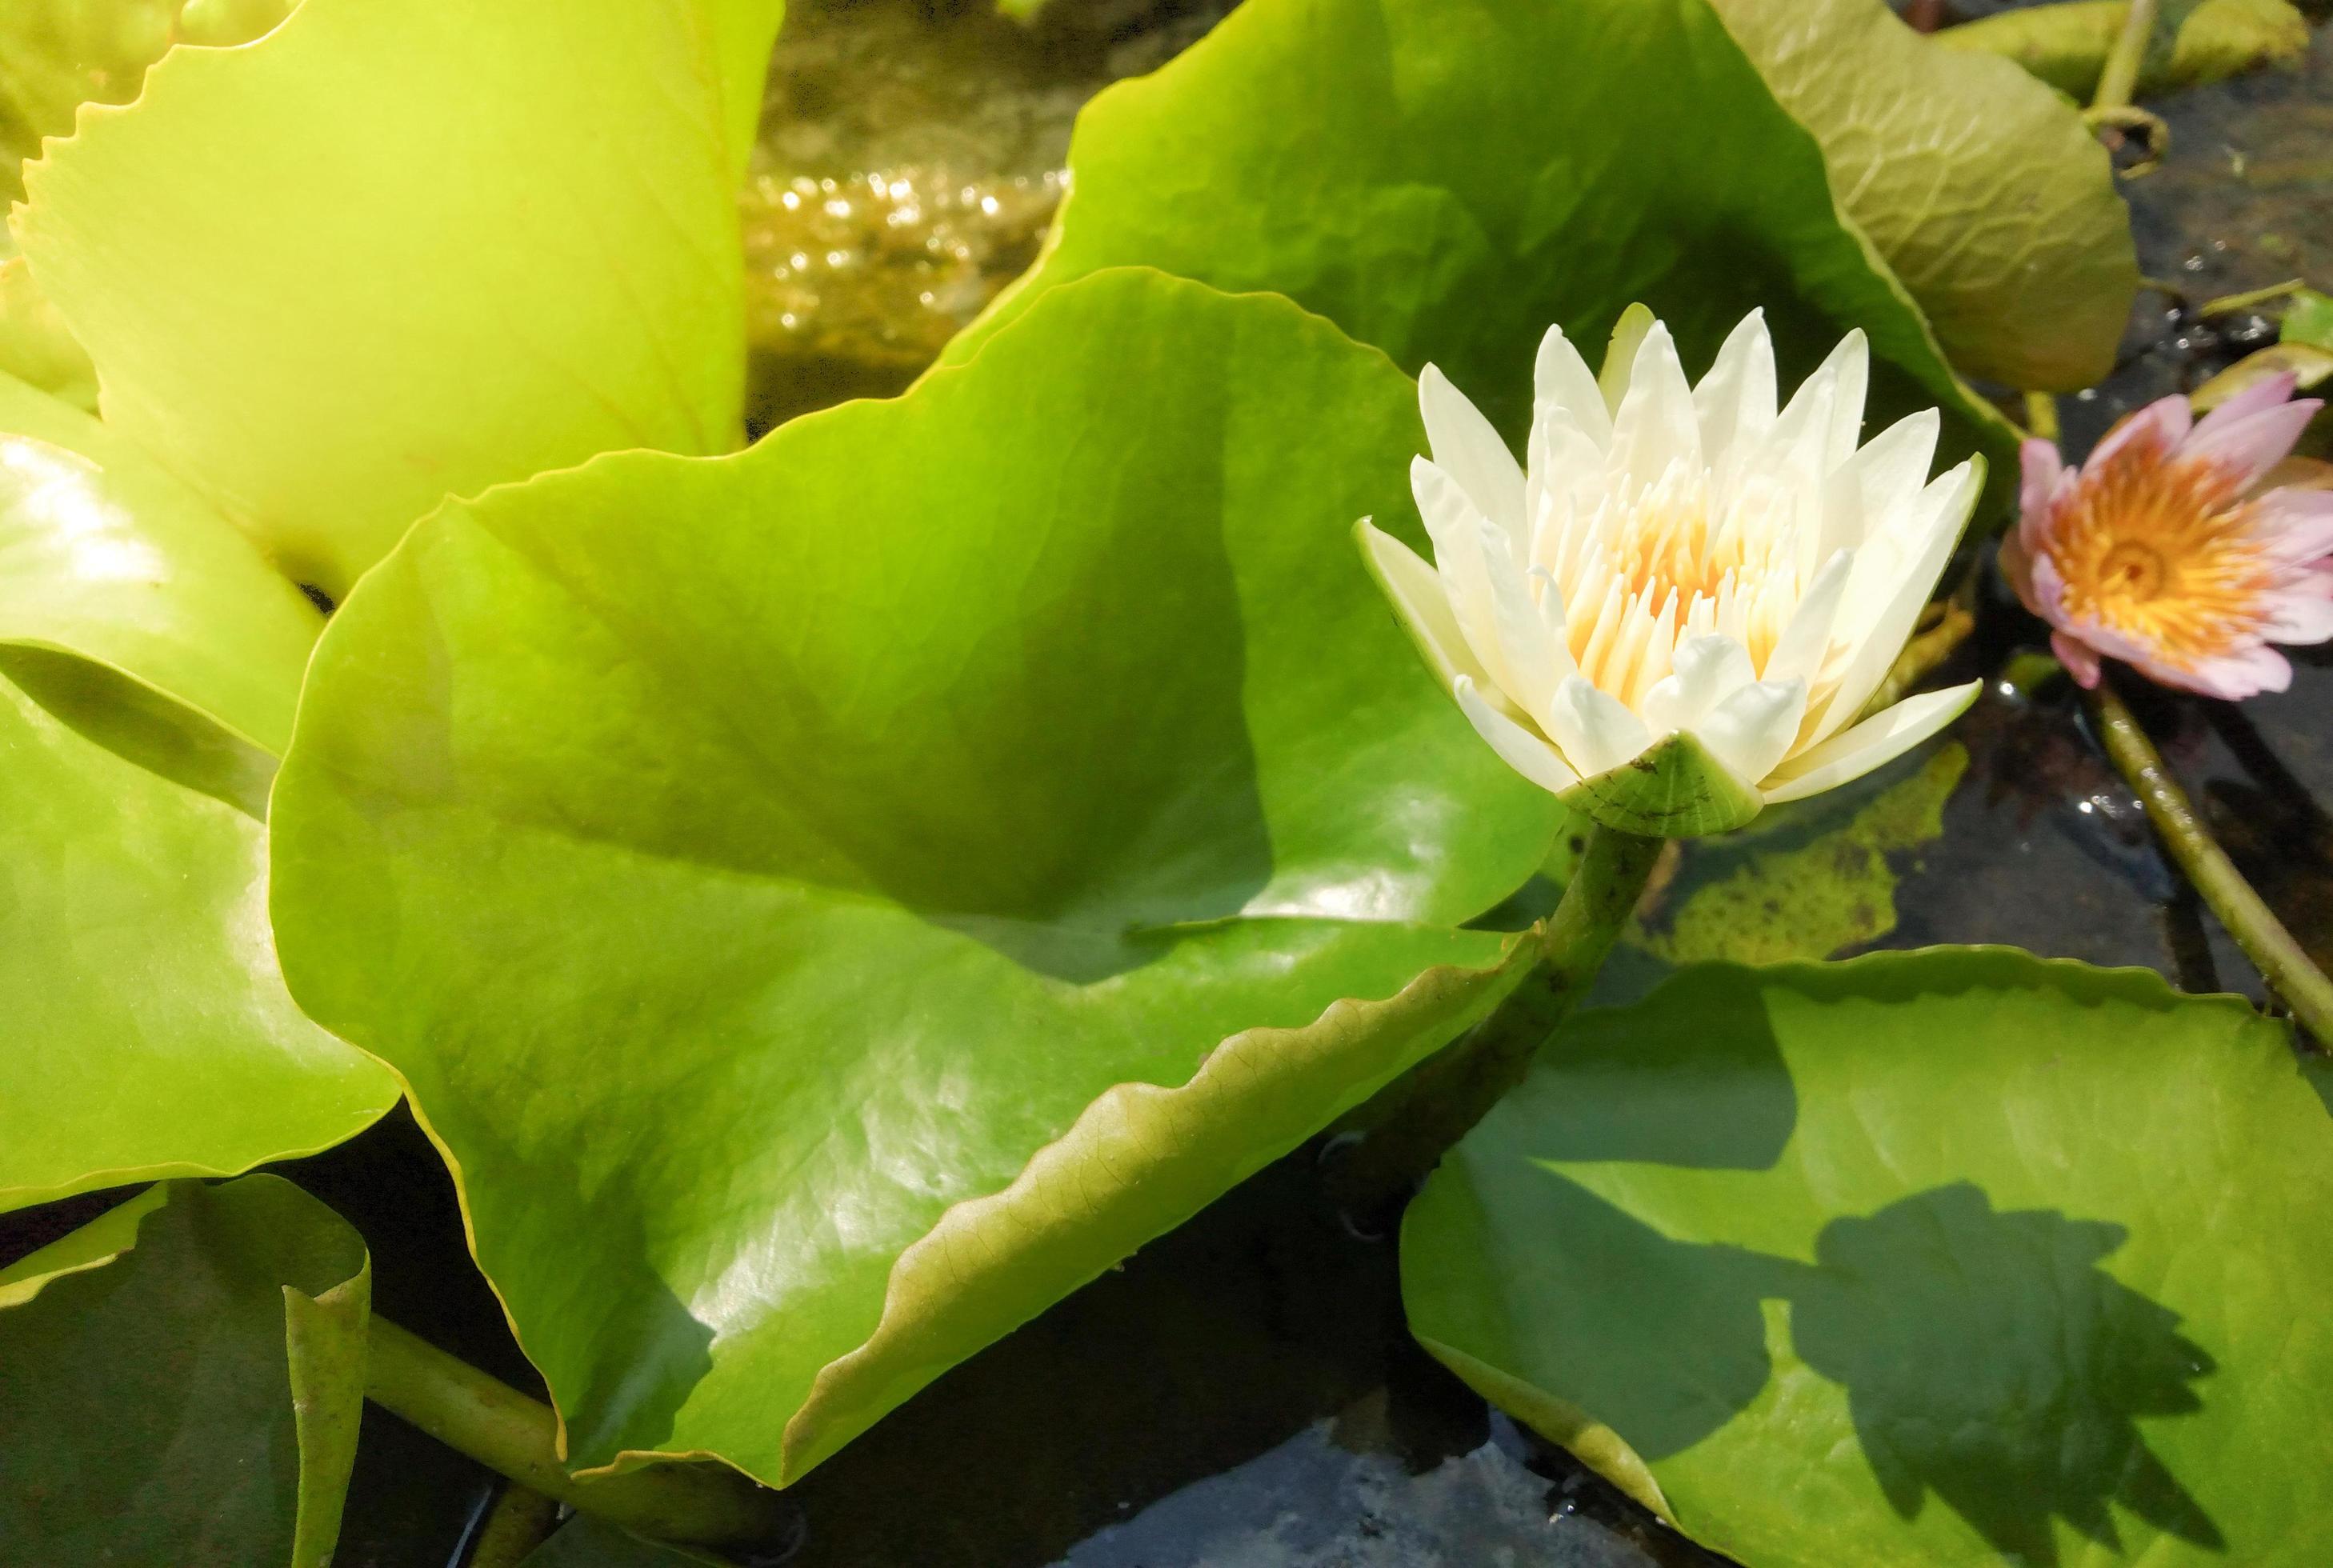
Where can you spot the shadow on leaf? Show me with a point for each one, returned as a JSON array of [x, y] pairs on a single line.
[[1988, 1359]]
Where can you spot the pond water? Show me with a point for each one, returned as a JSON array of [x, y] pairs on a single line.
[[1243, 1392]]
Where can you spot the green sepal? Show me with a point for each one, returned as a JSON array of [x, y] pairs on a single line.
[[1672, 789]]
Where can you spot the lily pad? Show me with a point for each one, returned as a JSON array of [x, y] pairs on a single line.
[[1988, 195], [380, 255], [180, 1381], [832, 902], [2066, 44], [2308, 319], [35, 346], [1444, 178], [104, 555], [1810, 884], [1944, 1257], [149, 1034]]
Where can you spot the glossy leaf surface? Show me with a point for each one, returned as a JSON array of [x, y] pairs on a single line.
[[380, 255], [104, 555], [180, 1381], [1946, 1257], [149, 1030], [1444, 178], [833, 900], [1986, 192]]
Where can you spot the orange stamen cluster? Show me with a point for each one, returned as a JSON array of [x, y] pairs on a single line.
[[2163, 552]]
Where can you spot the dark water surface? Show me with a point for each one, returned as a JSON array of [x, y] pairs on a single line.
[[1243, 1393]]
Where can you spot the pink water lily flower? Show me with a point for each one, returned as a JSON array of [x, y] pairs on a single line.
[[2170, 550]]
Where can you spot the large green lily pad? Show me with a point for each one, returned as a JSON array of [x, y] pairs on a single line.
[[148, 1032], [1948, 1257], [832, 902], [105, 555], [1445, 177], [1986, 192], [180, 1381], [386, 254]]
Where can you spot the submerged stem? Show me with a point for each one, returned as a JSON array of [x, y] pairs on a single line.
[[517, 1437], [2287, 969], [1456, 1089]]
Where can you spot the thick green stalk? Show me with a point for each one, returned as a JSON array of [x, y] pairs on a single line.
[[520, 1520], [509, 1433], [2118, 79], [1455, 1090], [2280, 961]]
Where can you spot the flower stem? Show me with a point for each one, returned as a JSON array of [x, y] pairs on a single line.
[[2280, 961], [2118, 78], [2041, 416], [520, 1520], [1456, 1089], [507, 1432]]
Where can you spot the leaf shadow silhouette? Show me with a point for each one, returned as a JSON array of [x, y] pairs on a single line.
[[1988, 1359]]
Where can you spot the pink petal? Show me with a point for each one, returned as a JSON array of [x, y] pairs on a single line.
[[2165, 421], [2081, 662], [2255, 399], [2048, 600], [2043, 468], [2105, 642], [2231, 676], [2301, 613], [2248, 447], [2295, 525]]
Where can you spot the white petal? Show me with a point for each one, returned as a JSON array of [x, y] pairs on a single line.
[[1839, 525], [1655, 426], [1567, 481], [1852, 359], [1736, 400], [1792, 458], [1455, 527], [1893, 465], [1416, 591], [1806, 637], [1828, 407], [1467, 448], [1806, 418], [1597, 732], [1517, 747], [1561, 380], [1705, 670], [1528, 652], [1751, 730], [1875, 642], [1551, 615], [1880, 738]]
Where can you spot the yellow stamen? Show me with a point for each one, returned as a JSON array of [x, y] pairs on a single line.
[[2162, 551]]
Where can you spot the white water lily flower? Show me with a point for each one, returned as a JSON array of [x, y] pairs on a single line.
[[1674, 617]]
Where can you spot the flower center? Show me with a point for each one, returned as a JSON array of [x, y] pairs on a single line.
[[1653, 567], [2162, 551], [1667, 549], [2133, 570]]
